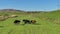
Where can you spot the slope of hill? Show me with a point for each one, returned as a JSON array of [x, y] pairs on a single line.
[[47, 23]]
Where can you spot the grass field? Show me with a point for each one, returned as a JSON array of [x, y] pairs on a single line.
[[47, 23]]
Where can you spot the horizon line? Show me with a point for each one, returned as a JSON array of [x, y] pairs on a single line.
[[28, 10]]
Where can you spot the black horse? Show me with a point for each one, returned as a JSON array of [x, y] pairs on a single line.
[[17, 21], [26, 21]]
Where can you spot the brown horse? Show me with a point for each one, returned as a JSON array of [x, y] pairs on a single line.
[[33, 21]]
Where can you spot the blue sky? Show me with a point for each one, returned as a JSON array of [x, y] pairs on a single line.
[[30, 5]]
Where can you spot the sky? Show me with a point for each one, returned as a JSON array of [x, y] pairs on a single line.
[[30, 5]]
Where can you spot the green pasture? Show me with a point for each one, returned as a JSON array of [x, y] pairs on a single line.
[[47, 23]]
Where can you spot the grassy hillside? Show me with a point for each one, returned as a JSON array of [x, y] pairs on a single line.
[[47, 23]]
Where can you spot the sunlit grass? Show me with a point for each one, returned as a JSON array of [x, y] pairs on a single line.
[[45, 24]]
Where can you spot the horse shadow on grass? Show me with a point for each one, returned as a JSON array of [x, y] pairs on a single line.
[[32, 24], [1, 26], [36, 24]]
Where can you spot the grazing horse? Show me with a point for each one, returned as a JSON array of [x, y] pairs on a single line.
[[27, 21], [33, 21], [16, 21]]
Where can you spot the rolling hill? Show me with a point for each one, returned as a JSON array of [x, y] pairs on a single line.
[[47, 22]]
